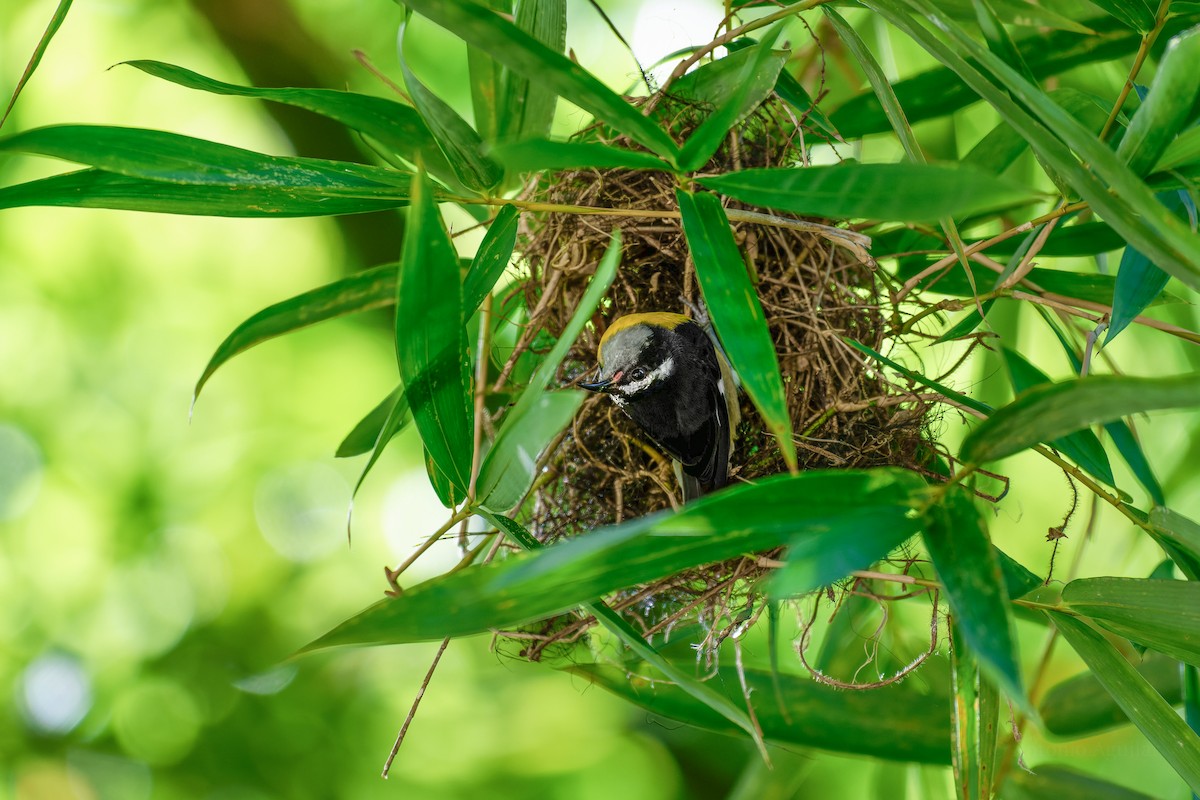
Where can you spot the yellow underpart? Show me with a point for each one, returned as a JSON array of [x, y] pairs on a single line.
[[659, 319]]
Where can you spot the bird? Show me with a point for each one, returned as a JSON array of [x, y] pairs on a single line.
[[665, 372]]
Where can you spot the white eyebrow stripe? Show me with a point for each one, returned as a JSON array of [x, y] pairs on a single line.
[[663, 370]]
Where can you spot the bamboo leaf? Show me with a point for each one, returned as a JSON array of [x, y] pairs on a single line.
[[1167, 108], [895, 192], [365, 434], [754, 80], [1180, 538], [1164, 615], [1157, 721], [1093, 287], [1133, 13], [94, 188], [56, 21], [743, 519], [535, 155], [736, 312], [459, 142], [893, 723], [487, 82], [490, 259], [1054, 782], [1047, 412], [957, 540], [528, 106], [524, 55], [1139, 282], [431, 346], [397, 127], [398, 415], [364, 291], [1079, 706], [1083, 447]]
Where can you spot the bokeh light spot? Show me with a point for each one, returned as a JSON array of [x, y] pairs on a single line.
[[55, 693], [301, 509], [20, 471], [156, 721]]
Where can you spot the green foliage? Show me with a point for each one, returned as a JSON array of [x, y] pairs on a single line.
[[1105, 175]]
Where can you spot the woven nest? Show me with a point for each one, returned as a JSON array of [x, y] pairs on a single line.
[[814, 290]]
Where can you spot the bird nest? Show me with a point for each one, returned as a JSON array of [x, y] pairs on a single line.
[[815, 287]]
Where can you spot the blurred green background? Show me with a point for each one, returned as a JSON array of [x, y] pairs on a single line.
[[155, 573]]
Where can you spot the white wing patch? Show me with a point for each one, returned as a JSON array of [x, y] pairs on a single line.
[[661, 372]]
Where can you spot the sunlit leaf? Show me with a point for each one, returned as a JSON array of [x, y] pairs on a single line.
[[487, 82], [1045, 413], [1080, 706], [431, 346], [459, 142], [525, 56], [894, 723], [1167, 108], [1162, 614], [1157, 721], [898, 192], [736, 311], [967, 324], [363, 291], [1134, 13], [742, 519], [957, 540]]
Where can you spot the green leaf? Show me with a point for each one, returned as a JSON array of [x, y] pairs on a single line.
[[957, 540], [1180, 538], [998, 39], [93, 188], [1164, 615], [56, 21], [940, 92], [487, 82], [788, 88], [897, 192], [1167, 108], [431, 345], [1083, 447], [1184, 150], [1157, 721], [459, 142], [1018, 580], [397, 127], [366, 433], [743, 519], [170, 157], [976, 710], [1069, 148], [683, 679], [1133, 13], [1079, 706], [894, 723], [753, 79], [849, 542], [1139, 282], [528, 107], [944, 391], [364, 291], [736, 312], [397, 418], [1045, 413], [491, 258], [1054, 782], [526, 56], [508, 468], [967, 324], [535, 155]]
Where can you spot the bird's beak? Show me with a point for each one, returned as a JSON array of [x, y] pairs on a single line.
[[600, 384]]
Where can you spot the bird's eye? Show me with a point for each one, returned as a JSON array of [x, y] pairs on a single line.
[[637, 374]]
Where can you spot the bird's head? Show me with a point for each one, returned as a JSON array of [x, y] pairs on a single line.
[[635, 355]]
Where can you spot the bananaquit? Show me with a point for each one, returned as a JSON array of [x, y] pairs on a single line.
[[664, 371]]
